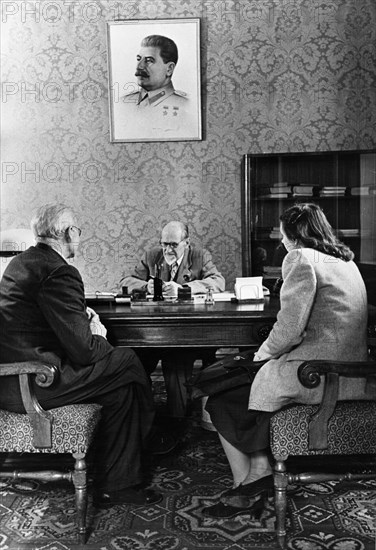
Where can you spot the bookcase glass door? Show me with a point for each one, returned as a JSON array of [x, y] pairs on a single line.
[[343, 183]]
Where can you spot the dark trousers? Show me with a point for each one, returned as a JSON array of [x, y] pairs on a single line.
[[177, 366], [118, 383]]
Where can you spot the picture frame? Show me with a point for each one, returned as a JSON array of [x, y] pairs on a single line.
[[163, 102]]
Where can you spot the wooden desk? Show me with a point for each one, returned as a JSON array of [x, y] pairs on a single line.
[[223, 324]]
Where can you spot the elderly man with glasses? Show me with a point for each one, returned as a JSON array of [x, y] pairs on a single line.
[[178, 263], [43, 316]]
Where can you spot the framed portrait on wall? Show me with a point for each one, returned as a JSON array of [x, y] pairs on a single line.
[[154, 80]]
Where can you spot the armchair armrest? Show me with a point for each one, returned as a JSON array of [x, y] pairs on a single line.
[[45, 374], [41, 420], [309, 374]]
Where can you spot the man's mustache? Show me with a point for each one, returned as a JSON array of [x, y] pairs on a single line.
[[140, 72]]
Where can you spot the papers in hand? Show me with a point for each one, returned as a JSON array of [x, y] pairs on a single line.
[[249, 288]]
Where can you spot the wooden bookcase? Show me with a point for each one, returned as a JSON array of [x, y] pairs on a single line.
[[343, 183]]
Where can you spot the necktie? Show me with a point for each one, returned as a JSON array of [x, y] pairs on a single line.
[[174, 269]]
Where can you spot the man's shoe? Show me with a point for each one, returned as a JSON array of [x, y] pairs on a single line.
[[131, 495]]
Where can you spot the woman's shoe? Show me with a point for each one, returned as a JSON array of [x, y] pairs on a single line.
[[249, 489], [131, 495], [225, 511], [230, 492]]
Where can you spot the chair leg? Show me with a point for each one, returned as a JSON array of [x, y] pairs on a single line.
[[280, 499], [79, 479]]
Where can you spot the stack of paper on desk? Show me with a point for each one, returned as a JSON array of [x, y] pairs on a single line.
[[105, 296], [223, 296]]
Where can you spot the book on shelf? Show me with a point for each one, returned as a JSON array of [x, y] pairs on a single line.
[[333, 188], [354, 232], [282, 189], [274, 196], [276, 190], [275, 233], [359, 191], [348, 232], [302, 190], [331, 191]]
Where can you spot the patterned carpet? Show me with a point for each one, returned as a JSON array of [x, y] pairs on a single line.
[[326, 516]]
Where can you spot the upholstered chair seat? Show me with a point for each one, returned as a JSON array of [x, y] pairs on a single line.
[[335, 428], [73, 430], [351, 427], [64, 430]]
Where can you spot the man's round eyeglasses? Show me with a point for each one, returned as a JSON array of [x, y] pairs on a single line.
[[79, 230], [171, 245]]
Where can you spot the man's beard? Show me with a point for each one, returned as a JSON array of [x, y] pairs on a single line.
[[170, 260]]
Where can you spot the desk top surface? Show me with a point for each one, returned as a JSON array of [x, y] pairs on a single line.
[[223, 324], [114, 311]]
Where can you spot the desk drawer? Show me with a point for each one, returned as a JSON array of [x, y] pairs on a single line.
[[196, 333]]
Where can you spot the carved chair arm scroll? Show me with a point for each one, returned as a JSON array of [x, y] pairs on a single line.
[[310, 371], [309, 374], [41, 420]]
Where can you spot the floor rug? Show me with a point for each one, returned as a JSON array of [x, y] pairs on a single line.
[[325, 516]]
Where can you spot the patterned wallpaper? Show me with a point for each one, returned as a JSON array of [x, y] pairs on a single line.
[[277, 75]]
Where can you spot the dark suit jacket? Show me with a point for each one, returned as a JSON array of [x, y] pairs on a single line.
[[43, 315], [197, 269]]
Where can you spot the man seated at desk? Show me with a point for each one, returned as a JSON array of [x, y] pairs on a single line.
[[179, 263]]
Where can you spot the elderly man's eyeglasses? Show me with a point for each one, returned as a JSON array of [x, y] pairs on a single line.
[[171, 245], [79, 230]]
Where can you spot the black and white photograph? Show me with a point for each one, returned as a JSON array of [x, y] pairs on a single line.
[[188, 275], [154, 80]]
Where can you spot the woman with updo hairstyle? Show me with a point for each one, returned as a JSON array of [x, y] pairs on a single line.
[[323, 315]]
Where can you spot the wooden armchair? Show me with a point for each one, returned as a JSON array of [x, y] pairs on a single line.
[[331, 428], [69, 429]]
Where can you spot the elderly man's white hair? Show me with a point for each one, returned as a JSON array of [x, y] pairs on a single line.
[[51, 221]]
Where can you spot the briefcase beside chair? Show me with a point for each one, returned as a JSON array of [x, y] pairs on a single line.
[[69, 429], [331, 428]]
